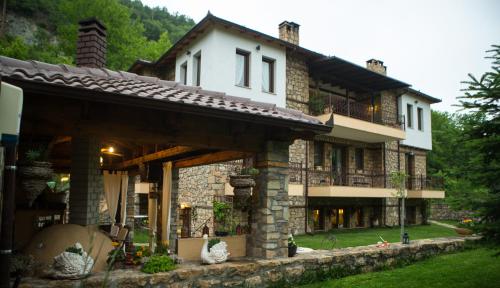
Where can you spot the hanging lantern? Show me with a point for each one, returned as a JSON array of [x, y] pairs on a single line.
[[406, 238]]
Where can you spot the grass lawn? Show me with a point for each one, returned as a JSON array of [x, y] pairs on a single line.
[[472, 268], [360, 237], [141, 236]]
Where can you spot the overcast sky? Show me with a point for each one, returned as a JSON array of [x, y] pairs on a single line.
[[430, 44]]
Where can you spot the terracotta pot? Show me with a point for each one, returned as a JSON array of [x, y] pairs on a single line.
[[463, 231], [242, 189]]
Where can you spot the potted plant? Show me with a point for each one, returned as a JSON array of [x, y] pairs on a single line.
[[292, 246], [243, 185], [34, 172], [465, 227], [222, 213]]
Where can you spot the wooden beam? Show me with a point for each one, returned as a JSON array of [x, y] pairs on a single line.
[[155, 156], [215, 157]]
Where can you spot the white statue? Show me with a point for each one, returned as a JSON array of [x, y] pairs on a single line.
[[69, 265], [217, 254]]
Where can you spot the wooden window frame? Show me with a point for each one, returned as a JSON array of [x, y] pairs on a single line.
[[183, 73], [271, 62], [420, 119], [246, 67], [409, 115], [197, 70]]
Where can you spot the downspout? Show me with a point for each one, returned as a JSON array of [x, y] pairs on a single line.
[[306, 187]]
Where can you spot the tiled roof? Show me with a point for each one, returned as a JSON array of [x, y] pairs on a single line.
[[130, 84]]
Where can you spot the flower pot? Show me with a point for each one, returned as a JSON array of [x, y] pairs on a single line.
[[34, 176], [463, 231], [242, 189], [292, 250]]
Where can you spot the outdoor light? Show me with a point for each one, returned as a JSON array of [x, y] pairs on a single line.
[[111, 149], [406, 238], [142, 187], [64, 179], [257, 48]]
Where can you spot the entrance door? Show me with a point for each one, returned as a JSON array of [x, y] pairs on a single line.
[[410, 171], [338, 165], [337, 218], [185, 217]]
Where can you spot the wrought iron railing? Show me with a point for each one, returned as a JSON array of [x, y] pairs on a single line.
[[359, 178], [362, 111]]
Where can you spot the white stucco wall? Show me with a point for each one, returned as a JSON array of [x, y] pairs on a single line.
[[218, 65], [415, 137]]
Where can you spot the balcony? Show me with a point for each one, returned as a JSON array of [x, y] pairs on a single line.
[[359, 121], [362, 184]]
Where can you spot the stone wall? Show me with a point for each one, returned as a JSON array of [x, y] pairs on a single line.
[[442, 211], [296, 222], [297, 82], [274, 272], [86, 181], [197, 188]]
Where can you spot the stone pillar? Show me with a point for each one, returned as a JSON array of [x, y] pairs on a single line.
[[174, 209], [86, 181], [391, 211], [131, 205], [270, 214]]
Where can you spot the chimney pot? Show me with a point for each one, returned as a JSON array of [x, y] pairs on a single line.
[[289, 31], [91, 44], [376, 66]]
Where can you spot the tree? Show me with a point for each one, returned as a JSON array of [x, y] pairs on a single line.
[[398, 180], [482, 99]]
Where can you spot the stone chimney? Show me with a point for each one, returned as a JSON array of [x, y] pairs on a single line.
[[289, 31], [91, 44], [376, 66]]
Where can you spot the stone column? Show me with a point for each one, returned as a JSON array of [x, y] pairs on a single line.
[[270, 214], [131, 205], [86, 181], [174, 209]]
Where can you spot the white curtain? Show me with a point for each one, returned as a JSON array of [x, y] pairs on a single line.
[[240, 70], [124, 188], [112, 192], [152, 214], [265, 76], [165, 201]]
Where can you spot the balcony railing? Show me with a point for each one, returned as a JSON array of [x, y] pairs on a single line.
[[358, 110], [358, 178]]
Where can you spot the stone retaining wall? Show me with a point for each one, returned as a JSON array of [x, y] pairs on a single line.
[[263, 273]]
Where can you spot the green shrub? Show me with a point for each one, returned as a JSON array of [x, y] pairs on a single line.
[[158, 263], [212, 242], [74, 250]]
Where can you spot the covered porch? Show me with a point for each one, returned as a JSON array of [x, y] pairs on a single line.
[[155, 128]]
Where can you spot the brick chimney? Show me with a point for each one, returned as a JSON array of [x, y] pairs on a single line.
[[91, 44], [289, 31], [376, 66]]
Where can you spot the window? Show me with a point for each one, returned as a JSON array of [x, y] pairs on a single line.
[[409, 115], [420, 119], [197, 69], [242, 68], [359, 156], [267, 75], [319, 153], [184, 69]]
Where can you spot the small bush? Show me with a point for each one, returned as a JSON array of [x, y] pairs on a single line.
[[74, 250], [158, 263], [212, 242]]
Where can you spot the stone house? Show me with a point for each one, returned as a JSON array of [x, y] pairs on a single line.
[[338, 180]]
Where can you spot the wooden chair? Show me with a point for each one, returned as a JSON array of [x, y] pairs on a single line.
[[113, 233]]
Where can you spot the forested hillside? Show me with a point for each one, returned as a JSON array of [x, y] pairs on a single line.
[[46, 30]]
